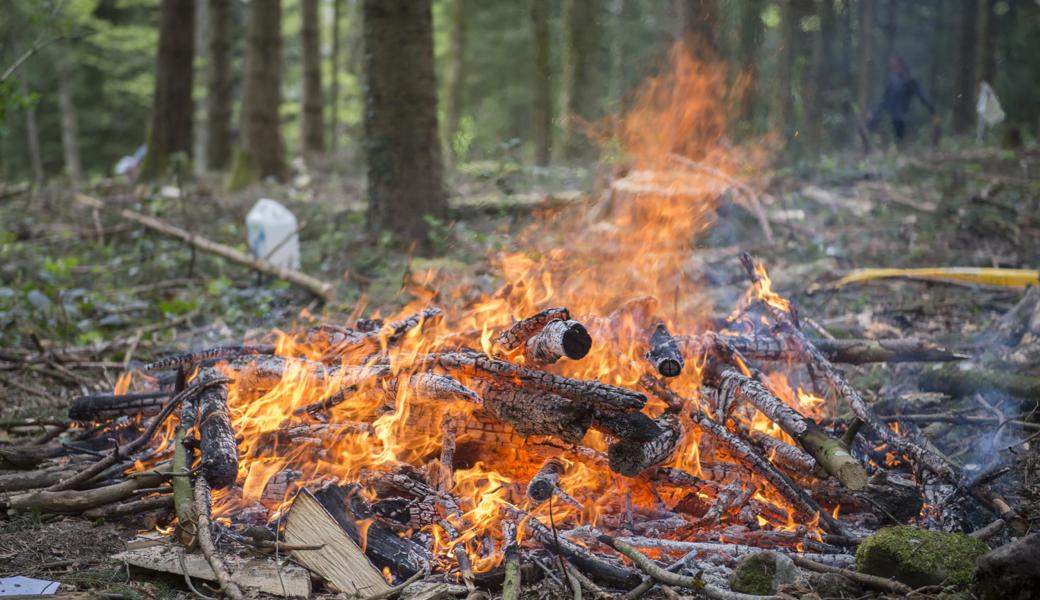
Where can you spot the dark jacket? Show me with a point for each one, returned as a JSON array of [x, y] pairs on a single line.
[[900, 90]]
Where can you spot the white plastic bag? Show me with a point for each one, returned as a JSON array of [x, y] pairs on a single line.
[[273, 235], [988, 106]]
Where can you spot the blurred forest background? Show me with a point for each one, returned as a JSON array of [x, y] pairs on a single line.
[[514, 80]]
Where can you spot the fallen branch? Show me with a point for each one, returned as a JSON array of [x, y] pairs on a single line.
[[129, 508], [324, 291], [853, 352], [870, 581], [650, 567], [205, 535]]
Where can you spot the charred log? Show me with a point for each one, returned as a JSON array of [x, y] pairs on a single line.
[[631, 458], [556, 340], [544, 483], [106, 406], [664, 352], [216, 436], [521, 331], [193, 359], [628, 426], [536, 413]]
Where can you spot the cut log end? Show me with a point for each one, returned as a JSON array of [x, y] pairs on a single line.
[[576, 341]]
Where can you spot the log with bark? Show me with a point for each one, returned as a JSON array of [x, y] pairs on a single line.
[[546, 481], [519, 332], [95, 407], [664, 353], [558, 339], [535, 412], [854, 352], [631, 458], [217, 443]]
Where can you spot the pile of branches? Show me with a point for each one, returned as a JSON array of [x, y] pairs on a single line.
[[90, 472]]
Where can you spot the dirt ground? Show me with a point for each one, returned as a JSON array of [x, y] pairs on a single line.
[[69, 279]]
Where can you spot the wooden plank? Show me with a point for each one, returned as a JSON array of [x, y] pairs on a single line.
[[258, 574], [340, 561]]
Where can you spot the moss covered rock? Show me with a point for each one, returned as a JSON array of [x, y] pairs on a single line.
[[917, 557], [762, 573]]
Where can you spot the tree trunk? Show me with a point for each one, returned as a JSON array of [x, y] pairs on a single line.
[[698, 22], [891, 28], [32, 138], [581, 48], [541, 99], [218, 84], [69, 121], [172, 108], [200, 133], [751, 34], [824, 59], [617, 54], [337, 15], [313, 127], [866, 56], [809, 58], [986, 43], [261, 152], [454, 75], [790, 29], [401, 140], [964, 102]]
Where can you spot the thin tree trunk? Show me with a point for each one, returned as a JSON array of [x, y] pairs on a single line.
[[783, 113], [751, 34], [964, 102], [812, 58], [262, 151], [985, 45], [541, 109], [200, 135], [454, 74], [698, 24], [866, 56], [69, 121], [337, 15], [405, 187], [172, 108], [824, 61], [32, 137], [218, 84], [617, 52], [313, 129], [891, 28], [581, 46]]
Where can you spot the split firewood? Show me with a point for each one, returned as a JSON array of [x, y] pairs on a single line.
[[518, 333], [106, 406], [325, 291], [664, 352], [558, 339], [829, 453], [854, 352], [338, 560], [193, 359], [587, 392], [216, 435], [631, 458]]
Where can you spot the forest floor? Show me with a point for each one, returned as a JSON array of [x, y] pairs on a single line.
[[68, 280]]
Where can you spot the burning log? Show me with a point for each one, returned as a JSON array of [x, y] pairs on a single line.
[[521, 331], [432, 386], [545, 483], [828, 452], [783, 455], [628, 426], [106, 406], [853, 352], [728, 496], [664, 352], [556, 340], [587, 392], [343, 341], [631, 458], [191, 360], [536, 413], [598, 568], [216, 435]]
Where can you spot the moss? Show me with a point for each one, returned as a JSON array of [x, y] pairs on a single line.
[[918, 558], [244, 171], [754, 574]]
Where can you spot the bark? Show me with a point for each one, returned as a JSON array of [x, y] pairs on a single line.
[[581, 48], [632, 458], [262, 151], [337, 15], [172, 108], [191, 360], [454, 75], [519, 332], [628, 426], [964, 99], [312, 130], [69, 119], [790, 28], [108, 406], [891, 28], [824, 66], [556, 340], [664, 353], [866, 56], [77, 501], [32, 138], [218, 86], [216, 435], [541, 100], [203, 500], [536, 413], [401, 140]]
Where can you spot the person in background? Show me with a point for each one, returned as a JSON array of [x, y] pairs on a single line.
[[900, 90]]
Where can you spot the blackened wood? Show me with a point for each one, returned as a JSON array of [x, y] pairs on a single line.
[[192, 359], [785, 456], [664, 353], [346, 341], [518, 333], [588, 392], [631, 458], [544, 483], [536, 412], [106, 406], [556, 340], [629, 426], [433, 386], [382, 546], [216, 435]]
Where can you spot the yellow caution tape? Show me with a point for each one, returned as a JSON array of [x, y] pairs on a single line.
[[1010, 278]]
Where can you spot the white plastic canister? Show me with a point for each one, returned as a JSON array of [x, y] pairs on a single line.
[[272, 231]]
